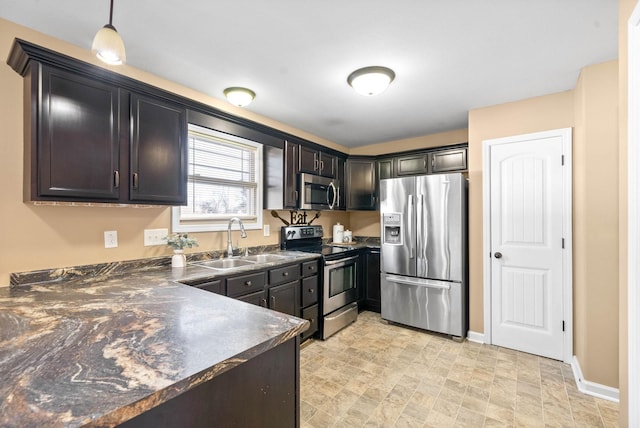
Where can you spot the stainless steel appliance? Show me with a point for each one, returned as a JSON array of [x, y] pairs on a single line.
[[339, 306], [423, 281], [317, 193]]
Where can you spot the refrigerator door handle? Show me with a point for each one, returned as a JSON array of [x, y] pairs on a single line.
[[411, 209], [420, 282]]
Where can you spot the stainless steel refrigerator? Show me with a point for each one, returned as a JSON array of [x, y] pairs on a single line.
[[423, 281]]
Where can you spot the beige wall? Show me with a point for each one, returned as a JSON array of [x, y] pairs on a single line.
[[427, 141], [520, 117], [595, 223], [40, 237], [626, 7]]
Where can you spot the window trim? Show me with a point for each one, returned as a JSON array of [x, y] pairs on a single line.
[[251, 222]]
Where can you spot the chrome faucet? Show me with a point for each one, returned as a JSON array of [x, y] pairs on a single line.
[[243, 234]]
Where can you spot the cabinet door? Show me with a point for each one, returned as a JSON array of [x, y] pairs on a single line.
[[411, 164], [361, 184], [158, 151], [342, 183], [385, 168], [257, 298], [449, 160], [328, 165], [372, 280], [77, 144], [284, 298], [309, 291], [309, 161], [310, 314], [291, 151]]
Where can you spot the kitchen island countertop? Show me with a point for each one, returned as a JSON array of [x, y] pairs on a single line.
[[98, 351]]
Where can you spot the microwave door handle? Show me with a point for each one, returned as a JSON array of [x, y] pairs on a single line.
[[332, 203]]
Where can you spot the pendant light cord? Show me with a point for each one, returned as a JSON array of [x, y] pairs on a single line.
[[111, 14]]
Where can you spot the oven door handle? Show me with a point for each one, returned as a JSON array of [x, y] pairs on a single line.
[[335, 262]]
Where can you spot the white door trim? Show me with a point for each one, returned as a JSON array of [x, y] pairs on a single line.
[[633, 268], [567, 265]]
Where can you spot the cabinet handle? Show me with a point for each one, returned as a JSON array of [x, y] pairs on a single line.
[[247, 283], [116, 179], [285, 273], [315, 163], [321, 165], [135, 180], [263, 303], [311, 290], [296, 195], [310, 267], [273, 301], [433, 162], [424, 163]]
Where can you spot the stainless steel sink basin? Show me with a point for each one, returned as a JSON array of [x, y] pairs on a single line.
[[265, 258], [225, 263]]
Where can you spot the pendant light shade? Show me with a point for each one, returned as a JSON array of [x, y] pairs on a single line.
[[108, 45], [371, 80], [239, 96]]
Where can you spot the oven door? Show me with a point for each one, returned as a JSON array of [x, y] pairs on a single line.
[[317, 193], [339, 283]]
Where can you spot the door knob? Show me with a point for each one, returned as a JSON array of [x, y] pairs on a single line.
[[498, 255]]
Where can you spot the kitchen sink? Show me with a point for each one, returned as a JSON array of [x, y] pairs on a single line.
[[265, 258], [225, 263]]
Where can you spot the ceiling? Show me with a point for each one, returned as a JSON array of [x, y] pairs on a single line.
[[449, 56]]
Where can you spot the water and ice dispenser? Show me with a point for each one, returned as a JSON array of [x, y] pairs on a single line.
[[392, 229]]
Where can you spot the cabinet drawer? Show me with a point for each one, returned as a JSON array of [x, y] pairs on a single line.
[[310, 268], [284, 274], [309, 291], [245, 284], [310, 314], [216, 286]]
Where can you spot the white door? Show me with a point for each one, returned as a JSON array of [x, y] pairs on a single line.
[[526, 240]]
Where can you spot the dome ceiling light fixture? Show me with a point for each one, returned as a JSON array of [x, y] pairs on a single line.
[[108, 45], [371, 80], [239, 96]]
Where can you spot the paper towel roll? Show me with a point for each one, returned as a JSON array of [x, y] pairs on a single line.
[[338, 232]]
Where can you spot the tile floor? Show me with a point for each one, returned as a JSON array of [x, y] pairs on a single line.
[[375, 374]]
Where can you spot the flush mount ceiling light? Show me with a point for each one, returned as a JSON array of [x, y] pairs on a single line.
[[239, 96], [371, 80], [107, 44]]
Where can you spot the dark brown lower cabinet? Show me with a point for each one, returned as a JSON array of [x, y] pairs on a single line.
[[262, 392], [372, 280], [257, 298], [284, 298]]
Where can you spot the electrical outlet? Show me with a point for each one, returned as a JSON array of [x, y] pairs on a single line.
[[267, 230], [155, 237], [111, 239]]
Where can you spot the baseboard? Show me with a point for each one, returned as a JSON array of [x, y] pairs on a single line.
[[592, 388], [472, 336]]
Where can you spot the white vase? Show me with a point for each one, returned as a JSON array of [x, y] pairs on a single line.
[[178, 260]]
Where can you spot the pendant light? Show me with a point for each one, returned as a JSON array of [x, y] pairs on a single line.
[[108, 45], [239, 96], [371, 80]]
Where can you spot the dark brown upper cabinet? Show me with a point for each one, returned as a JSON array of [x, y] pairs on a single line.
[[413, 164], [361, 192], [89, 139], [449, 160], [158, 151], [74, 148], [317, 162], [291, 155]]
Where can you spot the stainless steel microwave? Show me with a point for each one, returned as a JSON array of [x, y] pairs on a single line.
[[318, 193]]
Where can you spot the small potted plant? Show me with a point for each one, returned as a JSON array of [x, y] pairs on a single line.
[[180, 241]]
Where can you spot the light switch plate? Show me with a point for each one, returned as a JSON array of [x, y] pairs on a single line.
[[267, 230], [111, 239], [155, 237]]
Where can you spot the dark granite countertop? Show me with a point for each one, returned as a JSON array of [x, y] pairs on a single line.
[[99, 350]]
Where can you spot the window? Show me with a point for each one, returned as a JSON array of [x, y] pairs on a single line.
[[224, 182]]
